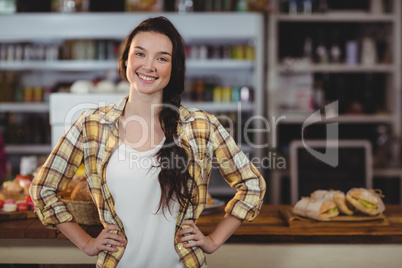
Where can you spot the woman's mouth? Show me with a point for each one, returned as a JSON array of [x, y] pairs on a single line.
[[146, 78]]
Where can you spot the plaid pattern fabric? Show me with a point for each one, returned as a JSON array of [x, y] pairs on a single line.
[[94, 136]]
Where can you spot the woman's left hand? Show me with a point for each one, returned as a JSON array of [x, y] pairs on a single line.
[[191, 236]]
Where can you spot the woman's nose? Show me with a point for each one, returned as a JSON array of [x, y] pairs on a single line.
[[148, 64]]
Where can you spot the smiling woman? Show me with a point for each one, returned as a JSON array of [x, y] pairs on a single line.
[[149, 64], [148, 160]]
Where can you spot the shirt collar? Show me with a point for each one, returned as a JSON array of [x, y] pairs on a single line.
[[115, 112], [185, 115]]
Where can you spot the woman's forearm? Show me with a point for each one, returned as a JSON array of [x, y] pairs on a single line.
[[75, 233], [191, 236], [225, 228], [106, 240]]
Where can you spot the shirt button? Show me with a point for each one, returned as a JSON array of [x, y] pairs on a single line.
[[187, 265], [179, 246]]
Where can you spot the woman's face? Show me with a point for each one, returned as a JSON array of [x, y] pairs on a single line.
[[149, 63]]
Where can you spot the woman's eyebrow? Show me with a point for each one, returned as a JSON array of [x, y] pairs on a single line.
[[161, 52]]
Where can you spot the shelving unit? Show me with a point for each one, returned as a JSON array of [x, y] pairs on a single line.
[[93, 65], [196, 28], [391, 89]]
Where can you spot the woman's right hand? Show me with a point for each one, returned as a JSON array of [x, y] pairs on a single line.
[[106, 240]]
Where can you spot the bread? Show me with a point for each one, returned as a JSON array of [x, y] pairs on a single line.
[[81, 192], [318, 209], [11, 187], [66, 193], [366, 201], [337, 196]]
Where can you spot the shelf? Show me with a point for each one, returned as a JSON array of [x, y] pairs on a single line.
[[62, 65], [337, 68], [95, 65], [24, 107], [117, 25], [220, 106], [345, 119], [225, 64], [380, 172], [28, 149], [341, 16]]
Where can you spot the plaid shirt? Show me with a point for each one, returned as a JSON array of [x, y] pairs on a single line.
[[92, 140]]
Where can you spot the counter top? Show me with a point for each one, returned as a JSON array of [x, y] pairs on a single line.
[[269, 227]]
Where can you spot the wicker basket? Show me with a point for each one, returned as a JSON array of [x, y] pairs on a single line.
[[84, 212]]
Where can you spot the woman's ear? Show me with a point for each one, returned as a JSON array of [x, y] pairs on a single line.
[[125, 63]]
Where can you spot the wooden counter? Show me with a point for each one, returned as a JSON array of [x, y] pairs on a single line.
[[269, 227], [267, 239]]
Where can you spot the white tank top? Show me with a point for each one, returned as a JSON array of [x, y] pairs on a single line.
[[134, 185]]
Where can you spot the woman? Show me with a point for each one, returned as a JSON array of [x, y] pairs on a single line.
[[148, 161]]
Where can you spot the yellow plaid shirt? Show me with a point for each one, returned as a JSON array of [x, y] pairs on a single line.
[[92, 139]]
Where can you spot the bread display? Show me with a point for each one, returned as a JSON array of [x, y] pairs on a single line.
[[81, 192], [337, 196], [366, 201], [12, 187], [318, 209], [66, 193]]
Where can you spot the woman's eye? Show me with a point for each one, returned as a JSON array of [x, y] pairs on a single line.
[[139, 54], [162, 59]]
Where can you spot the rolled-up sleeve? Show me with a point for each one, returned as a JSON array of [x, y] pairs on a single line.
[[240, 173], [55, 174]]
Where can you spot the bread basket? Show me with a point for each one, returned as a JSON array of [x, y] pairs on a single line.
[[84, 212]]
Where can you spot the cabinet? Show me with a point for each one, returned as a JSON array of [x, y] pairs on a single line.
[[198, 30], [344, 53]]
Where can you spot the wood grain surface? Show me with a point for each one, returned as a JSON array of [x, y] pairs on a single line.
[[269, 227]]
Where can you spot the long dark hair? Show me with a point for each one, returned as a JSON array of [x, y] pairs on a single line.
[[174, 177]]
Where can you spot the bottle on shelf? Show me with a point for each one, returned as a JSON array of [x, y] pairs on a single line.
[[185, 6], [352, 52], [307, 7], [369, 51], [292, 7], [322, 6], [321, 50], [335, 50], [308, 50], [318, 95]]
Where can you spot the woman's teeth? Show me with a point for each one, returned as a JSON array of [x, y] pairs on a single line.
[[146, 78]]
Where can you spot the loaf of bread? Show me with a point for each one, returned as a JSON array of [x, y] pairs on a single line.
[[81, 192], [11, 187], [66, 193]]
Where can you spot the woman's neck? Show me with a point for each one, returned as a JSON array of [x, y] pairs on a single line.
[[145, 106]]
